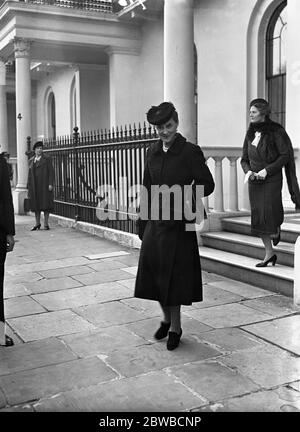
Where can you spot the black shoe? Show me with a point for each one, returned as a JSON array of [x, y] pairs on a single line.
[[162, 332], [46, 227], [272, 260], [8, 341], [36, 227], [173, 340]]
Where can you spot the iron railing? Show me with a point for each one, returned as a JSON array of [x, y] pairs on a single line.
[[98, 174], [106, 6]]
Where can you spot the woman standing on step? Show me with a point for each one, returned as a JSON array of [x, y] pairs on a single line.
[[169, 266], [265, 153], [40, 186], [7, 232]]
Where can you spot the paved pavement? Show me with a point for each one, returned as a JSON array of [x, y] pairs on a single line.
[[84, 343]]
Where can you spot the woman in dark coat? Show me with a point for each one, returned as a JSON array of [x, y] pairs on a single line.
[[169, 266], [265, 153], [7, 232], [40, 186]]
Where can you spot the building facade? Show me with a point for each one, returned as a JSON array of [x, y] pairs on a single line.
[[98, 65]]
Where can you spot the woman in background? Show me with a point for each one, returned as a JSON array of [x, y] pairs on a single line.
[[265, 153], [40, 186]]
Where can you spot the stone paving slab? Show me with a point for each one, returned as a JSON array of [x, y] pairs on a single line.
[[213, 381], [129, 260], [109, 314], [22, 306], [230, 339], [18, 408], [211, 277], [284, 332], [83, 296], [104, 265], [107, 255], [147, 307], [213, 296], [34, 355], [278, 400], [147, 393], [15, 290], [147, 327], [49, 380], [295, 385], [17, 270], [267, 366], [129, 283], [2, 400], [242, 289], [143, 359], [275, 305], [228, 315], [101, 277], [49, 324], [103, 341], [131, 270], [46, 285], [11, 279], [65, 271]]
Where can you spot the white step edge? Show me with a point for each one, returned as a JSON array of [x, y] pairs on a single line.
[[247, 240], [244, 262]]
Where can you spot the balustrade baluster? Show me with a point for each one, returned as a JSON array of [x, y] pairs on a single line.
[[233, 185], [218, 194]]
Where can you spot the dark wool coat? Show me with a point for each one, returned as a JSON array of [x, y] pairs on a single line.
[[40, 176], [7, 219], [7, 223], [272, 154], [169, 266]]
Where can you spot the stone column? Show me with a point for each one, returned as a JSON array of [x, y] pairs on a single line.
[[179, 63], [293, 76], [122, 77], [23, 113], [3, 109]]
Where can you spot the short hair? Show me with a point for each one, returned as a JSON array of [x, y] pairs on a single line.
[[262, 105], [38, 144]]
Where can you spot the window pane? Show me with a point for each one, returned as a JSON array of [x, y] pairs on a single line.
[[276, 57], [283, 49]]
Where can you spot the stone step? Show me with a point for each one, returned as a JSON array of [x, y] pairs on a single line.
[[241, 225], [247, 245], [278, 279]]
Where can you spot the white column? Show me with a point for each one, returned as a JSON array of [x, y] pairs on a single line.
[[179, 63], [293, 75], [123, 82], [23, 113], [3, 109]]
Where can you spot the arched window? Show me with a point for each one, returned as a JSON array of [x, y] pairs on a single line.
[[276, 63], [51, 116]]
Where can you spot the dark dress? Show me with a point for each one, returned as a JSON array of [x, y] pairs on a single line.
[[40, 176], [7, 223], [169, 265], [265, 196]]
